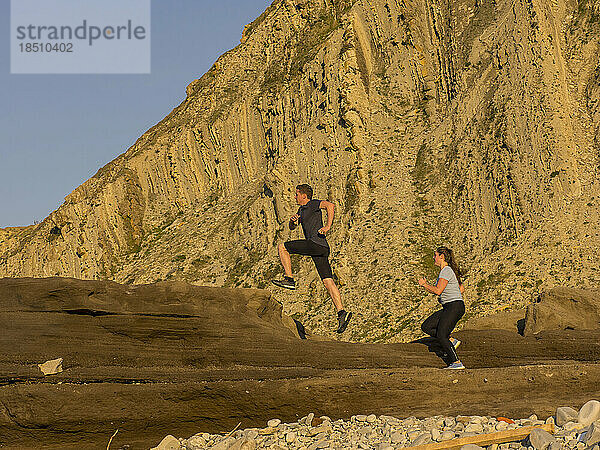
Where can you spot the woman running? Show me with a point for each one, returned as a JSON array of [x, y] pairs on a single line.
[[449, 288]]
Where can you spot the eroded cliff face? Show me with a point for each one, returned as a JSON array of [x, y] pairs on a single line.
[[474, 124]]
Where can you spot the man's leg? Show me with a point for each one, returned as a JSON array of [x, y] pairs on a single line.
[[300, 247], [334, 293], [324, 270], [342, 314], [286, 260], [326, 274]]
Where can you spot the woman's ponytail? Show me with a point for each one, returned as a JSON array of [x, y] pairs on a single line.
[[449, 257]]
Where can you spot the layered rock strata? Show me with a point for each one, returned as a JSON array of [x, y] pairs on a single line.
[[474, 125]]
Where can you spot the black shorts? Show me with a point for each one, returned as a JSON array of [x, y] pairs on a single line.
[[318, 253]]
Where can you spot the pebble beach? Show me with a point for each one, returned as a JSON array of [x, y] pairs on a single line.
[[570, 429]]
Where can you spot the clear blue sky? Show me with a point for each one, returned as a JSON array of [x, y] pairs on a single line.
[[56, 131]]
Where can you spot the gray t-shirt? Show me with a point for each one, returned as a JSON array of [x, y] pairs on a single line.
[[452, 291]]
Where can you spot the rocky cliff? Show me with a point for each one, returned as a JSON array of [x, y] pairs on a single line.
[[474, 124]]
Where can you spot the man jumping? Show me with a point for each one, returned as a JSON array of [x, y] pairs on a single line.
[[315, 245]]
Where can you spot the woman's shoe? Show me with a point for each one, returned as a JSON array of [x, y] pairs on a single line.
[[456, 365], [454, 342]]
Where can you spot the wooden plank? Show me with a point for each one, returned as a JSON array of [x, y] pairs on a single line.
[[499, 437]]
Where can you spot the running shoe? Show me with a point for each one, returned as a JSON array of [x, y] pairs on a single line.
[[285, 283], [343, 320], [456, 365], [455, 342]]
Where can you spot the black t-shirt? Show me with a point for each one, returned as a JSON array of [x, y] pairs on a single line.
[[311, 219]]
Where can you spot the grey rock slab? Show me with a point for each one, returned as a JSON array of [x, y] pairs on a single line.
[[573, 426], [268, 441], [424, 438], [51, 367], [243, 444], [397, 437], [168, 443], [388, 418], [449, 421], [590, 412], [319, 444], [367, 430], [471, 447], [411, 421], [273, 423], [308, 419], [413, 434], [565, 414], [468, 434], [474, 428], [197, 441], [386, 429], [540, 439], [592, 436], [447, 435], [252, 434], [223, 445], [318, 430]]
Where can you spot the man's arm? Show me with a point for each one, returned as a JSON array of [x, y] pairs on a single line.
[[330, 207], [294, 221]]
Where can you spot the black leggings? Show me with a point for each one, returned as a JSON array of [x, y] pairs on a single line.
[[441, 323]]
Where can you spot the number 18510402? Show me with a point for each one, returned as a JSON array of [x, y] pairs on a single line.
[[48, 47]]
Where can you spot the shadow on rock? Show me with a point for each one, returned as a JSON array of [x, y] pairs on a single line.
[[433, 346]]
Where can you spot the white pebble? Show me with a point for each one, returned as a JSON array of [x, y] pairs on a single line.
[[273, 423]]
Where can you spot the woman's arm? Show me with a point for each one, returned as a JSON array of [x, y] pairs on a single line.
[[437, 289], [462, 289]]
